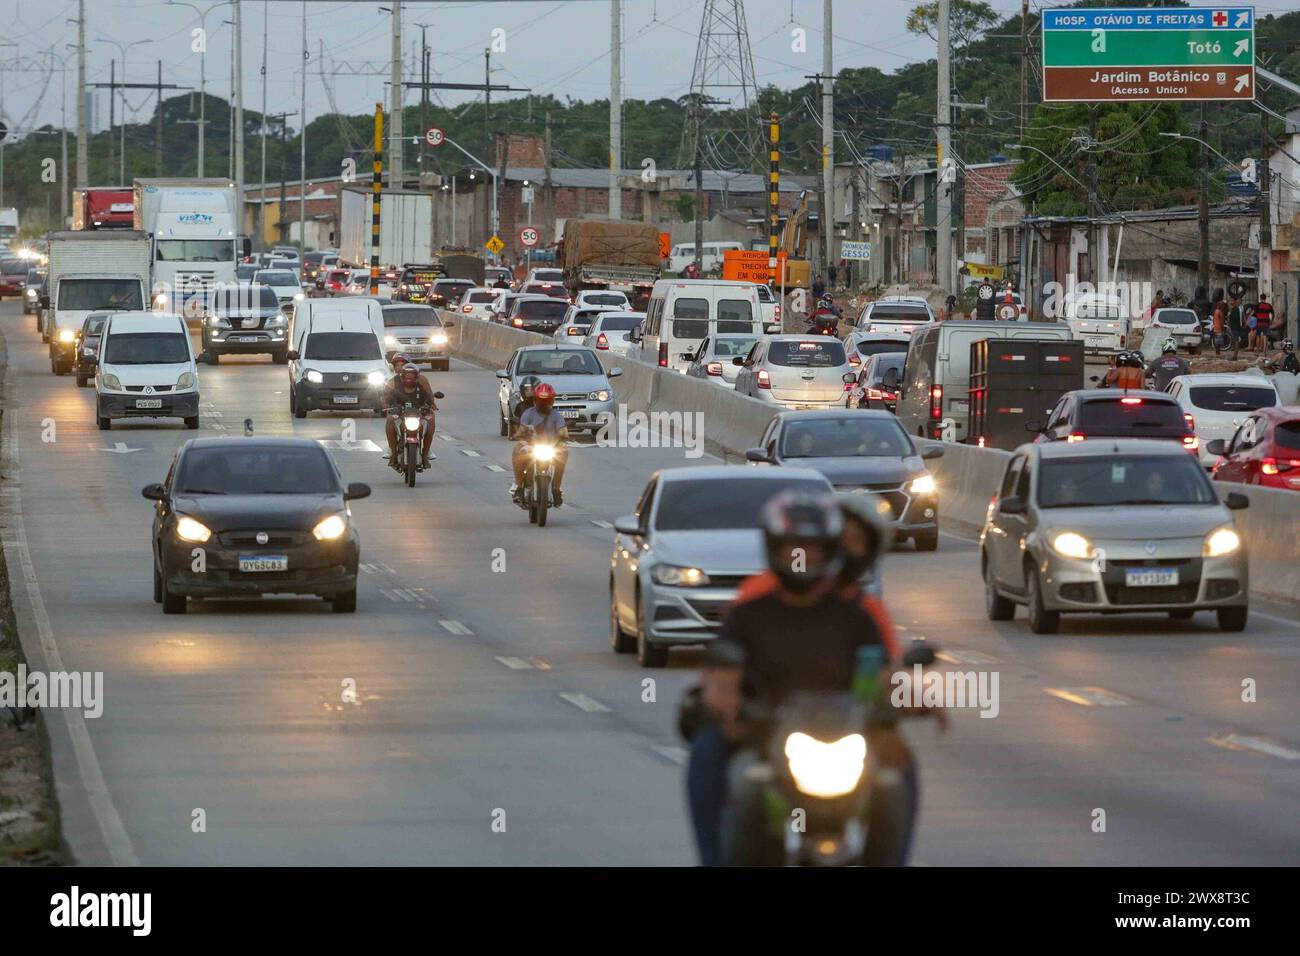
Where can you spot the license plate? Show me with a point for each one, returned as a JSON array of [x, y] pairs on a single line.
[[1095, 341], [1151, 577], [345, 399], [248, 338], [148, 403], [570, 413], [266, 562]]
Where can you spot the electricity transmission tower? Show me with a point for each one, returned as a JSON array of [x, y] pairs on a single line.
[[724, 74]]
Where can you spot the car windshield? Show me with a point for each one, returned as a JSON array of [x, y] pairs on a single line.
[[342, 346], [121, 295], [868, 347], [1176, 316], [450, 289], [606, 298], [721, 504], [94, 324], [731, 347], [195, 250], [618, 323], [1287, 435], [558, 362], [481, 297], [899, 313], [1130, 416], [548, 275], [828, 354], [411, 315], [849, 437], [541, 309], [1232, 398], [277, 278], [256, 470], [1105, 481], [245, 272], [147, 348]]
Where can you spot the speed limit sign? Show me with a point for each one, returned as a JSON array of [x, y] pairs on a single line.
[[529, 236], [434, 136], [1008, 312]]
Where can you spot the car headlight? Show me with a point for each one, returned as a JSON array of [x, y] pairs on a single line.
[[298, 295], [679, 577], [438, 338], [1221, 541], [277, 319], [31, 293], [185, 381], [390, 340], [375, 378], [187, 529], [112, 381], [331, 528], [66, 335], [600, 395], [923, 485], [314, 376], [826, 770], [1072, 545]]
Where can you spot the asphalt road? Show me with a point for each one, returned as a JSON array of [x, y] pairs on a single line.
[[486, 697]]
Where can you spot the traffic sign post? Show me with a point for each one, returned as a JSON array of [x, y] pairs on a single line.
[[494, 245], [1167, 54], [434, 136]]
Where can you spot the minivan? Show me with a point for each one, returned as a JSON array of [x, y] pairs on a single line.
[[145, 368], [683, 254], [337, 362], [683, 312], [936, 374]]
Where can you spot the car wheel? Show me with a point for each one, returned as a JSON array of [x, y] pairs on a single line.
[[345, 603], [171, 603], [214, 358], [157, 585], [104, 423], [81, 381], [192, 423], [996, 606], [1041, 620], [505, 426], [619, 639], [299, 410], [1182, 614], [1232, 618], [927, 540]]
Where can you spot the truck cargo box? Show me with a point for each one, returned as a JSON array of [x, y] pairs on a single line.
[[1017, 381]]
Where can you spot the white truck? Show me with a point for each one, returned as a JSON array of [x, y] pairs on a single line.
[[91, 272], [193, 226], [405, 227], [8, 226]]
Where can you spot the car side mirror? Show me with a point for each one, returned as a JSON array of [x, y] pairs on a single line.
[[922, 655], [1217, 446], [357, 489], [931, 451], [502, 373], [738, 360], [628, 524], [292, 355], [1094, 378], [774, 329], [1011, 505], [614, 373], [1236, 501], [439, 395], [1034, 426], [848, 378], [757, 454], [154, 492]]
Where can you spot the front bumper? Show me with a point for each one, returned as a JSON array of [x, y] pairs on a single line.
[[171, 405], [424, 351], [1071, 584], [322, 568], [587, 415], [683, 616], [247, 340], [909, 513], [313, 396]]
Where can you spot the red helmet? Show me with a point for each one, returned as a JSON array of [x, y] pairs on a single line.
[[544, 397]]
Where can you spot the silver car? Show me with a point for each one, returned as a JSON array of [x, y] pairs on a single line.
[[681, 555], [577, 321], [796, 371], [583, 394], [714, 359], [1112, 526], [419, 331], [611, 332]]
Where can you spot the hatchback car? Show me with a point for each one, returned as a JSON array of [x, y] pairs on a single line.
[[1216, 405], [1115, 526], [1181, 325], [895, 314], [245, 320], [477, 302], [284, 283], [336, 281], [589, 298], [861, 453], [555, 290], [419, 331], [32, 291], [266, 516], [878, 382], [1111, 413], [446, 293], [681, 555], [537, 313], [1264, 451], [583, 394], [87, 347], [714, 360], [862, 345], [578, 319], [797, 371]]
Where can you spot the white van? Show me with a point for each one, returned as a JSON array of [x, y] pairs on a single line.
[[337, 362], [683, 312], [683, 254], [146, 368], [1100, 321]]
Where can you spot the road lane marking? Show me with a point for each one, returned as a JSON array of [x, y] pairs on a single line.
[[956, 656], [1088, 696], [470, 453], [446, 437], [539, 664], [600, 523], [516, 663], [1257, 744], [455, 627], [364, 445], [112, 830], [494, 468], [583, 702], [119, 448]]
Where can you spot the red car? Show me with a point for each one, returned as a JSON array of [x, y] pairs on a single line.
[[336, 283], [13, 276], [1264, 451]]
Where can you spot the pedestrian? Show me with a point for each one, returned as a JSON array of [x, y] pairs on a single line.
[[1236, 325], [1263, 332], [949, 309], [818, 288], [1219, 316], [848, 274], [833, 274]]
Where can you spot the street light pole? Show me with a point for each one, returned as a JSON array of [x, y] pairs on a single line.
[[203, 73], [121, 48]]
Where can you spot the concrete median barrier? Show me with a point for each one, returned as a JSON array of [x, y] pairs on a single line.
[[1270, 528]]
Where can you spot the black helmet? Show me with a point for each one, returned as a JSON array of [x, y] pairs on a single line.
[[801, 534], [1286, 345], [865, 535], [1134, 360], [526, 386]]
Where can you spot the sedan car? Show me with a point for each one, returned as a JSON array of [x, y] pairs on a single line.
[[612, 331], [336, 282], [861, 453], [32, 291], [1215, 405], [284, 283], [878, 382], [796, 371], [537, 313], [477, 302], [245, 320], [446, 293], [87, 347], [1125, 525], [715, 357], [13, 276], [680, 557], [1264, 451], [419, 331], [252, 516], [583, 394], [555, 290]]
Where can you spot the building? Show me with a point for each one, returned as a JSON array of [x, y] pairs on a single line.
[[277, 227]]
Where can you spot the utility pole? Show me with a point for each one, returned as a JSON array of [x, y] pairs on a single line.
[[1024, 67], [112, 105], [302, 137], [377, 186], [616, 108], [487, 128], [828, 136], [395, 111], [261, 206], [158, 139], [424, 90], [548, 188], [773, 196], [284, 169], [83, 177], [1265, 272], [239, 111], [1090, 174], [696, 109], [943, 128], [113, 86], [1203, 210]]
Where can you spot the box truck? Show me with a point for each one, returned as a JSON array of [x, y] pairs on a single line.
[[405, 227], [193, 228], [602, 254]]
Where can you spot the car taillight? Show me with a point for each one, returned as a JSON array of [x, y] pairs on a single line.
[[1275, 466], [936, 401], [663, 354], [714, 368], [601, 341], [778, 312], [1191, 422], [1075, 436], [1130, 401], [875, 393], [1191, 443], [855, 359], [764, 380]]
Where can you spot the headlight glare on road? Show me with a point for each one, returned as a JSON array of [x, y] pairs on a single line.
[[1221, 541], [331, 528], [185, 381], [600, 395], [314, 376], [375, 378], [924, 485], [1072, 545], [826, 769], [66, 335], [187, 529], [112, 382], [679, 577]]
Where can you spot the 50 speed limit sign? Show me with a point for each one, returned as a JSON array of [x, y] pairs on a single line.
[[529, 236], [434, 136]]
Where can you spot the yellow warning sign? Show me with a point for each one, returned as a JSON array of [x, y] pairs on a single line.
[[494, 245]]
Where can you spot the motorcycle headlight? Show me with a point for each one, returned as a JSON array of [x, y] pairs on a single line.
[[375, 378], [826, 770], [160, 300], [112, 381], [331, 528], [390, 340], [314, 376], [679, 577], [66, 335], [185, 381], [543, 452], [412, 423], [1221, 541], [438, 338], [600, 395], [187, 529], [924, 485], [1072, 545]]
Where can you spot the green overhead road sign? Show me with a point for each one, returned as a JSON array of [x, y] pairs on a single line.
[[1148, 53]]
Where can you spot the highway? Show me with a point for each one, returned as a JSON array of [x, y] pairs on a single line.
[[480, 691]]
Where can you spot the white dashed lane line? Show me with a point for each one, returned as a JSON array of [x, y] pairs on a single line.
[[601, 524], [583, 702], [455, 627], [1088, 696], [494, 468], [470, 453], [1257, 744]]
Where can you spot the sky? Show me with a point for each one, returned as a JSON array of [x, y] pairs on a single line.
[[551, 46]]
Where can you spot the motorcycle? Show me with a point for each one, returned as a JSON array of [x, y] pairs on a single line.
[[412, 426], [538, 474]]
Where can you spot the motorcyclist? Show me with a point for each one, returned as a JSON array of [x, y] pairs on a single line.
[[825, 320], [1285, 360], [542, 420], [805, 591], [526, 386], [409, 386], [1128, 372], [1169, 366]]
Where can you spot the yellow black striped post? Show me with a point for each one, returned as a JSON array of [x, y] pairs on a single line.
[[376, 188], [774, 178]]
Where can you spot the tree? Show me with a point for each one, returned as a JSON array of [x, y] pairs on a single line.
[[968, 19]]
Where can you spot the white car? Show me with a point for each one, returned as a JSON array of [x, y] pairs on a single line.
[[609, 332], [284, 283], [1215, 405], [545, 274], [769, 308], [795, 371], [578, 319], [1181, 325], [146, 368], [360, 284], [590, 298], [897, 314], [477, 302]]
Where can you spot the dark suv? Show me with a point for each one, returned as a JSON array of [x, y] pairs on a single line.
[[245, 319], [538, 313], [1116, 413]]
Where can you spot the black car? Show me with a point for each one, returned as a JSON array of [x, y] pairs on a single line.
[[861, 452], [538, 313], [446, 293], [414, 283], [87, 345], [878, 382], [1115, 413], [253, 516], [245, 319]]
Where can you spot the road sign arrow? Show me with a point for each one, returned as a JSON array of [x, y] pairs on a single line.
[[1243, 81], [1243, 18], [119, 448], [1242, 46]]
